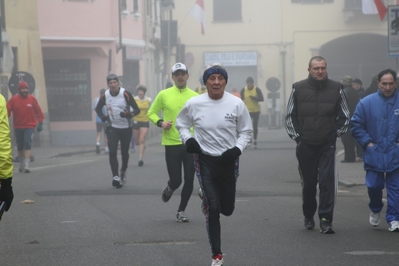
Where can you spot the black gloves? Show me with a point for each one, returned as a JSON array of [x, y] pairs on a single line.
[[126, 114], [6, 193], [253, 98], [104, 118], [231, 155], [192, 146]]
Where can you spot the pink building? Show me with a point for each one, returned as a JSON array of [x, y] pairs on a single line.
[[82, 42]]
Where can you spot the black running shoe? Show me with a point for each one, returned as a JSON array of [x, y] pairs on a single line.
[[116, 182], [167, 193], [326, 226], [309, 223], [141, 163]]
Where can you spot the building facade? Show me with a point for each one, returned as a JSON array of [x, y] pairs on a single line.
[[271, 40], [82, 42], [22, 53]]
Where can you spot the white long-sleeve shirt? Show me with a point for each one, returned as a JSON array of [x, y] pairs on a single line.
[[219, 125]]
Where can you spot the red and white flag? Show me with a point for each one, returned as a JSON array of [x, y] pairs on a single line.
[[374, 7], [198, 12]]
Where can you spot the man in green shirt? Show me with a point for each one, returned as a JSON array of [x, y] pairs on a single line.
[[170, 101]]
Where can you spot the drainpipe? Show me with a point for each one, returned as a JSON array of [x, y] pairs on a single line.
[[120, 25]]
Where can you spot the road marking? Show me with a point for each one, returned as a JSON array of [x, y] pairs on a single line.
[[372, 252], [156, 243], [57, 165]]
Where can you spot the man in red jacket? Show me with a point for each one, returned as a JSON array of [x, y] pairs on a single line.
[[27, 114]]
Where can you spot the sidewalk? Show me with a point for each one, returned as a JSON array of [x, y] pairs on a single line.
[[350, 174]]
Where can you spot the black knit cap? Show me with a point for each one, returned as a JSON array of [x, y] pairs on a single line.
[[215, 68]]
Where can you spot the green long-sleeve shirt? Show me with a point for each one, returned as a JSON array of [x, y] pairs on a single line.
[[170, 101]]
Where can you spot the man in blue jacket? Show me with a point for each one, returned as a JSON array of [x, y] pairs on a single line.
[[375, 125]]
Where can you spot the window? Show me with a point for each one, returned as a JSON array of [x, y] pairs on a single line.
[[123, 4], [68, 89], [311, 1], [353, 4], [149, 9], [136, 6], [227, 10]]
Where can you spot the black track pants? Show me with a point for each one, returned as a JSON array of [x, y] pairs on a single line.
[[116, 135], [175, 157], [218, 184], [317, 165]]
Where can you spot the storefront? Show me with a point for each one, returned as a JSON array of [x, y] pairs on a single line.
[[239, 66]]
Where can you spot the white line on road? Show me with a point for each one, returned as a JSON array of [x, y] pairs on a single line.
[[372, 252], [56, 165]]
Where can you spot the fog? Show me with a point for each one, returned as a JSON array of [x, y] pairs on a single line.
[[140, 40]]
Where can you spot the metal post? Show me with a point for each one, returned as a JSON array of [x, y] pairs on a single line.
[[283, 53], [169, 47]]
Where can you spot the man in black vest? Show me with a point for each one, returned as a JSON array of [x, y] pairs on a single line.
[[317, 113]]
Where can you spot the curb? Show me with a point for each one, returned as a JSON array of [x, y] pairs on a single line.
[[345, 184]]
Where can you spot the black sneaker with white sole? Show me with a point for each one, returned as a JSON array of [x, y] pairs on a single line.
[[116, 182], [167, 193], [326, 226]]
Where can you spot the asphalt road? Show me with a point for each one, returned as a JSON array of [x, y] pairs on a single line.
[[78, 218]]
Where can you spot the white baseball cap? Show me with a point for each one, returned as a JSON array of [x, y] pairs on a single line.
[[179, 66]]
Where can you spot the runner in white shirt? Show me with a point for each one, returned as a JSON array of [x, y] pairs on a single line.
[[222, 130], [121, 107]]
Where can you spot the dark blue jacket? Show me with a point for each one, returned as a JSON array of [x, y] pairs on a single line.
[[376, 120]]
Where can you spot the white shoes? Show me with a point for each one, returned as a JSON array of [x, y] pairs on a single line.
[[394, 226], [217, 260], [374, 219]]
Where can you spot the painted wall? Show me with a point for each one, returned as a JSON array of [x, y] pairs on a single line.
[[23, 31], [274, 28], [87, 30]]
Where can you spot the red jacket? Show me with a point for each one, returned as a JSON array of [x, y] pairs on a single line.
[[26, 111]]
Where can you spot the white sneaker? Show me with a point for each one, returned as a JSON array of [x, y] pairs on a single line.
[[181, 217], [394, 226], [217, 260], [106, 150], [374, 219]]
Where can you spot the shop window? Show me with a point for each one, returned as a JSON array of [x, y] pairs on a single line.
[[311, 1], [68, 90]]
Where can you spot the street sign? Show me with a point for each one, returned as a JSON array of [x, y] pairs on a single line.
[[393, 31], [273, 84], [16, 77]]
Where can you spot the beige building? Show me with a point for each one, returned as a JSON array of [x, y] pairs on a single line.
[[270, 38], [22, 52]]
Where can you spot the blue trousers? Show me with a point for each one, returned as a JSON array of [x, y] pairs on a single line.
[[375, 182]]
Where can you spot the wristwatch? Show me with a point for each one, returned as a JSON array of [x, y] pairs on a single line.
[[159, 123]]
